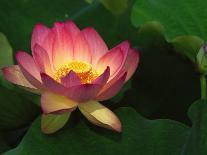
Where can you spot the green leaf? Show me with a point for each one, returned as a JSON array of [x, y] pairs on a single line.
[[179, 17], [151, 34], [196, 143], [3, 145], [6, 55], [117, 7], [182, 28], [139, 136], [15, 111], [187, 46]]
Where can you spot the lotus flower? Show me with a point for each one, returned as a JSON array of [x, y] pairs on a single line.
[[73, 68]]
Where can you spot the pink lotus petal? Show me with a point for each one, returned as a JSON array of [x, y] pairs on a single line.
[[113, 59], [131, 63], [96, 44], [72, 29], [44, 37], [14, 75], [84, 92], [99, 115], [63, 45], [71, 79], [40, 32], [42, 60], [29, 69], [52, 85], [81, 49], [111, 88], [52, 103], [103, 78], [125, 46]]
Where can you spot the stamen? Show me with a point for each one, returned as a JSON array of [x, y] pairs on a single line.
[[85, 71]]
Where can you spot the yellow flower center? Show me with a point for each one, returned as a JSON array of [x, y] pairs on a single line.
[[85, 71]]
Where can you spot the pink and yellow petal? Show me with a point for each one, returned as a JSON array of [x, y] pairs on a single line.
[[70, 80], [111, 88], [54, 103], [14, 75], [72, 29], [52, 85], [39, 34], [113, 59], [42, 60], [131, 63], [103, 78], [63, 45], [81, 49], [96, 44], [100, 115], [51, 123], [84, 92], [29, 69], [44, 37]]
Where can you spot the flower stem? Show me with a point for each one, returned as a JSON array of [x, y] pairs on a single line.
[[203, 86]]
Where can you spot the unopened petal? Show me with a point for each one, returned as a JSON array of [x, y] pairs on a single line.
[[54, 103], [51, 123], [100, 115]]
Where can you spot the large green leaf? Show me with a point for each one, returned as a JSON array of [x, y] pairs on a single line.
[[6, 54], [187, 46], [3, 145], [196, 143], [117, 7], [6, 57], [179, 17], [184, 22], [139, 136], [15, 111]]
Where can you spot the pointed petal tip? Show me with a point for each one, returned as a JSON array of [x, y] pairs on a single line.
[[18, 54], [117, 126], [101, 116], [70, 21], [103, 78], [39, 25]]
